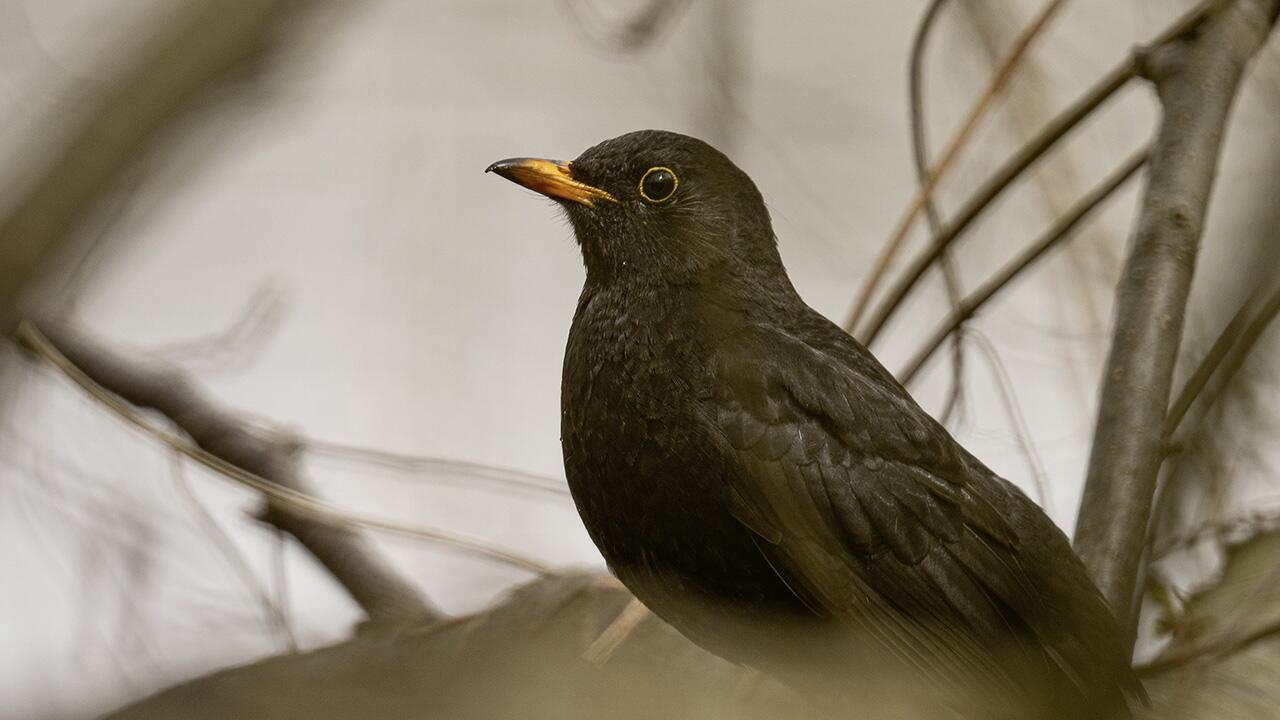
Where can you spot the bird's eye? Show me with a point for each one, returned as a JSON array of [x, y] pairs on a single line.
[[658, 184]]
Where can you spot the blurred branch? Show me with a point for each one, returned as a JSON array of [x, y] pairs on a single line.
[[228, 446], [240, 341], [919, 149], [1208, 650], [1019, 163], [273, 614], [1196, 78], [1222, 654], [979, 109], [504, 477], [1021, 431], [183, 54], [370, 580], [1061, 231], [1210, 380], [634, 33], [1232, 346], [1224, 648], [1222, 530], [297, 502]]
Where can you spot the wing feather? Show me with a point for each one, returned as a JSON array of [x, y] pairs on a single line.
[[871, 512]]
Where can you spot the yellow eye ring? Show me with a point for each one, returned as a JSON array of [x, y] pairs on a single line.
[[662, 183]]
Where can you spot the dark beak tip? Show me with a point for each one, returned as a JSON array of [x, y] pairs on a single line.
[[503, 167]]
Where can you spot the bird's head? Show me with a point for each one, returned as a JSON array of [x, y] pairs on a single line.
[[656, 205]]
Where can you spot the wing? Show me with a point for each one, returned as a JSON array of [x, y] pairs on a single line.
[[872, 513]]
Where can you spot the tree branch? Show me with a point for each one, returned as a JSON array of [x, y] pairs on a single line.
[[297, 502], [368, 577], [1197, 79]]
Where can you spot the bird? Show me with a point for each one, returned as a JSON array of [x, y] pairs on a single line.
[[759, 480]]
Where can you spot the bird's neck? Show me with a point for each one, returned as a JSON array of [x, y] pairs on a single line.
[[761, 283], [628, 324]]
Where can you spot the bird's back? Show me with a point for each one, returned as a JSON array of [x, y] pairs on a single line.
[[923, 524]]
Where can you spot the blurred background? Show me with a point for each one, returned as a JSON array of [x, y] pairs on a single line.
[[286, 199]]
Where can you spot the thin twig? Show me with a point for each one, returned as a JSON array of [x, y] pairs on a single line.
[[979, 109], [1235, 341], [1021, 430], [272, 614], [1197, 79], [920, 151], [505, 477], [1015, 166], [1061, 230], [241, 339]]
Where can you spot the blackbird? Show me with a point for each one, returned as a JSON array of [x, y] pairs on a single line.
[[760, 481]]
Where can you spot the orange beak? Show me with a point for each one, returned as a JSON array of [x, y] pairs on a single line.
[[552, 178]]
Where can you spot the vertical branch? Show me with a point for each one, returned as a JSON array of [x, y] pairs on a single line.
[[1197, 79]]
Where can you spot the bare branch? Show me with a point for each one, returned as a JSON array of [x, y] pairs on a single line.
[[1021, 161], [370, 580], [226, 547], [229, 446], [630, 34], [996, 85], [1197, 78], [617, 633], [1061, 230]]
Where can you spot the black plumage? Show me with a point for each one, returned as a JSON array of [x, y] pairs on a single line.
[[760, 481]]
